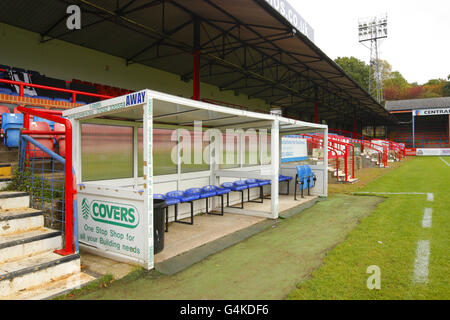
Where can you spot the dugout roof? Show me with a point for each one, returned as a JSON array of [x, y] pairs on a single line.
[[413, 104], [245, 46]]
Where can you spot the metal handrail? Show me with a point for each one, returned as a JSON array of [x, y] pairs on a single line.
[[70, 190], [74, 93]]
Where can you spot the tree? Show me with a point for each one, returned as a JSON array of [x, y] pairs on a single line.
[[358, 70], [446, 88], [395, 86]]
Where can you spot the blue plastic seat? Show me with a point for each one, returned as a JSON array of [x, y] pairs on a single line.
[[183, 197], [11, 125], [221, 191], [237, 186], [282, 178], [213, 191], [208, 192], [264, 182], [62, 100], [191, 194], [301, 179], [311, 177], [5, 91], [253, 183]]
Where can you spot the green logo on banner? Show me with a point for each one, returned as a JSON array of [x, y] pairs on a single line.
[[85, 209], [118, 214]]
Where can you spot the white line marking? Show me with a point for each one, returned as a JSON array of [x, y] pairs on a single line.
[[430, 197], [392, 192], [427, 218], [445, 161], [421, 262]]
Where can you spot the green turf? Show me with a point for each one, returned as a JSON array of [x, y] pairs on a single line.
[[265, 266], [388, 239], [329, 238]]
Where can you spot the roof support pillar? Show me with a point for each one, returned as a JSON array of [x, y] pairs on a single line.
[[196, 62], [316, 105]]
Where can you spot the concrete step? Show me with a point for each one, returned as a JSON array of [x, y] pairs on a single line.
[[14, 200], [26, 244], [53, 288], [4, 182], [33, 272], [351, 180], [341, 173], [3, 147], [20, 220], [9, 156]]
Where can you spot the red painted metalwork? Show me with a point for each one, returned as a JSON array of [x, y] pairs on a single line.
[[337, 159], [346, 162], [196, 76], [316, 112], [70, 190], [73, 92]]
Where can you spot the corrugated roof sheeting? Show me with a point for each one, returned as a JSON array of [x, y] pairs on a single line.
[[245, 46], [413, 104]]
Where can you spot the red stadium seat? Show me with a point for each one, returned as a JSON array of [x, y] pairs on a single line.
[[60, 139], [46, 140], [4, 109]]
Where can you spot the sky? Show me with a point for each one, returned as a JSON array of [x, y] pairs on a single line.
[[418, 43]]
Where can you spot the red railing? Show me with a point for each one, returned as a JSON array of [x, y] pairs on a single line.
[[69, 182], [332, 149], [38, 86], [347, 145], [319, 140]]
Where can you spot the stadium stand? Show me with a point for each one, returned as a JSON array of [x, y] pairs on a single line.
[[429, 132], [35, 77]]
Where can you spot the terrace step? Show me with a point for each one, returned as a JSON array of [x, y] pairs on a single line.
[[29, 267], [33, 272], [14, 200], [20, 220], [25, 244], [9, 156], [53, 288]]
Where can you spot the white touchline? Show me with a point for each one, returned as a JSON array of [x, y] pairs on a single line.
[[430, 196], [421, 261], [445, 161], [427, 218], [393, 192]]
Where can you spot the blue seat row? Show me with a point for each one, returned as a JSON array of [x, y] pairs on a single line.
[[189, 196], [193, 194], [305, 178]]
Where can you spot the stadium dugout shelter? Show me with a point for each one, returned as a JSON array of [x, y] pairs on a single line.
[[125, 200]]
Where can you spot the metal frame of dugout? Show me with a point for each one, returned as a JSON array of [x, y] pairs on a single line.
[[116, 215]]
